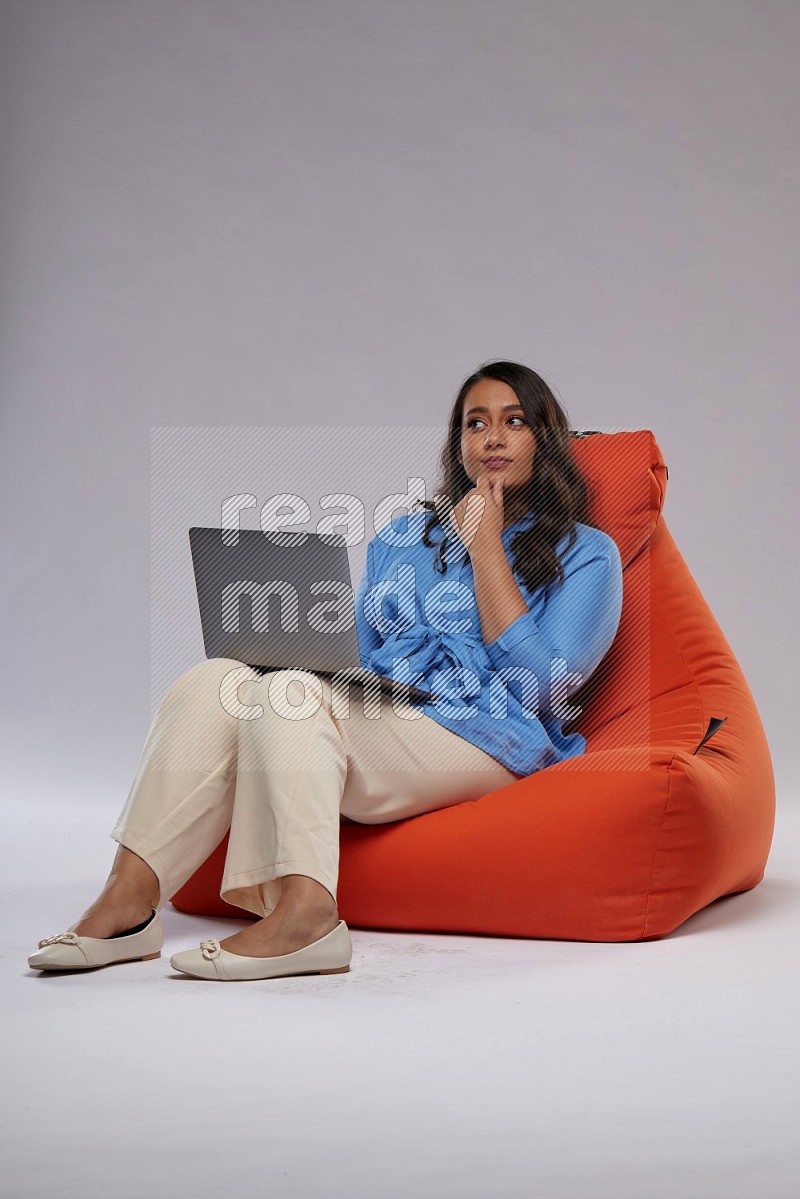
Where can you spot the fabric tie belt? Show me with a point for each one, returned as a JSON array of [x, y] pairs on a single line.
[[425, 648]]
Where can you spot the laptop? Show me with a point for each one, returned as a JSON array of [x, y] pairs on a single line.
[[268, 604]]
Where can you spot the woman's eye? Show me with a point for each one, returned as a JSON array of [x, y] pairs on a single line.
[[476, 420]]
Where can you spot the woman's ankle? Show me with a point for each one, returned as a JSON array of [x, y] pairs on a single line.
[[133, 877], [305, 908], [120, 893]]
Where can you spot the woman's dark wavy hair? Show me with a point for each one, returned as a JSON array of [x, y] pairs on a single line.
[[558, 493]]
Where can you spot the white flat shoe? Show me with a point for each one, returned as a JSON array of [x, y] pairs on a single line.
[[331, 954], [68, 951]]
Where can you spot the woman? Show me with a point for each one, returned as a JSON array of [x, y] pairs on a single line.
[[502, 617]]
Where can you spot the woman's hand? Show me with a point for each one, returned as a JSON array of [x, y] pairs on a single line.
[[478, 516]]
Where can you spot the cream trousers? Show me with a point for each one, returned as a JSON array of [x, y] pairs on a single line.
[[279, 759]]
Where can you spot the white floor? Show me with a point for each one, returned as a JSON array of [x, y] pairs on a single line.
[[439, 1066]]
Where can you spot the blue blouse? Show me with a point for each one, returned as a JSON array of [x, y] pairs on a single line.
[[509, 697]]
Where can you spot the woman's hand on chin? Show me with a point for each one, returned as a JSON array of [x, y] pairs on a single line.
[[478, 517]]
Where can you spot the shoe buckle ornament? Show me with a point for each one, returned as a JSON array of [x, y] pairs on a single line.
[[59, 938], [210, 948]]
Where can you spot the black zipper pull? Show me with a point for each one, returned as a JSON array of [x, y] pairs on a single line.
[[713, 724]]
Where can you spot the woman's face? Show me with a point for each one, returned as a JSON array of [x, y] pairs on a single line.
[[494, 425]]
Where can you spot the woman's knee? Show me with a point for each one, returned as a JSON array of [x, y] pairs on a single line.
[[295, 693], [214, 674]]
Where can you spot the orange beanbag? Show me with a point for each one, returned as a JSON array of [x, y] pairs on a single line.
[[671, 806]]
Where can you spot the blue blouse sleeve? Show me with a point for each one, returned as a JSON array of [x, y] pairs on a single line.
[[368, 637], [574, 633]]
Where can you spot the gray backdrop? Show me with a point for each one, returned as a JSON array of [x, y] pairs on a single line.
[[307, 216]]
